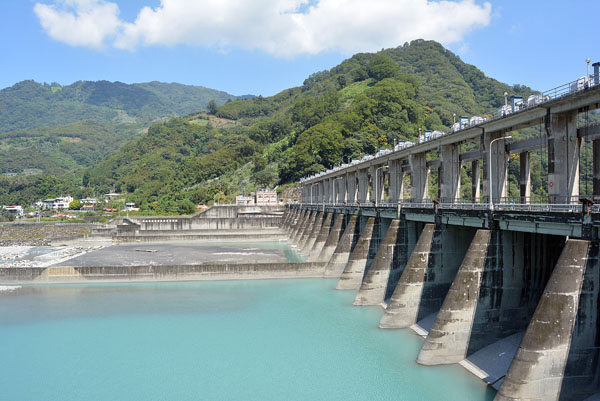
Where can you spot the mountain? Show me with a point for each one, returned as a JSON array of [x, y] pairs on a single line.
[[54, 129], [367, 102], [28, 104]]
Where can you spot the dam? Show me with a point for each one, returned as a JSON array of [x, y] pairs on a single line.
[[506, 288]]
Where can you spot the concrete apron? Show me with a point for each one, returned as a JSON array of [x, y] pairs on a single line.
[[341, 254], [315, 251], [448, 338], [537, 370], [403, 308], [374, 285], [354, 270], [332, 240]]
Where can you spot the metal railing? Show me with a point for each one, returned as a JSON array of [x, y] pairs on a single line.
[[505, 204]]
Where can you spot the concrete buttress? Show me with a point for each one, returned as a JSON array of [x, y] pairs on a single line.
[[537, 370], [448, 339], [341, 254], [374, 285], [309, 225], [403, 307], [299, 226], [312, 235], [321, 238], [354, 270], [332, 240]]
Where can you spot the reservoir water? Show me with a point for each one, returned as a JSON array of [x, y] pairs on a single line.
[[227, 340]]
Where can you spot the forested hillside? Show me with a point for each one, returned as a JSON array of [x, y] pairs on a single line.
[[357, 107], [29, 104], [57, 131]]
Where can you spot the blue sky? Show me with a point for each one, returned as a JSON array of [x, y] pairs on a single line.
[[264, 46]]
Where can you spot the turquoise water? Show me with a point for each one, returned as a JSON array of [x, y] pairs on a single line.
[[229, 340]]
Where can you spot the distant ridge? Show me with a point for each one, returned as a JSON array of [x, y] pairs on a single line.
[[29, 104]]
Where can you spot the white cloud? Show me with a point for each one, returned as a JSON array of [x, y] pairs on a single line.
[[274, 26], [80, 22]]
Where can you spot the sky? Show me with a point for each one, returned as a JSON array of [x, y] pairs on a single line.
[[261, 47]]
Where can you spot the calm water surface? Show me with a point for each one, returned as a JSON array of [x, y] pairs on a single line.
[[235, 340]]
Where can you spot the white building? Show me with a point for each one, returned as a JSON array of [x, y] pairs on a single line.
[[130, 206], [16, 210], [58, 203]]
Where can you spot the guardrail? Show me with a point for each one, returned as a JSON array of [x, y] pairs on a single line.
[[502, 207]]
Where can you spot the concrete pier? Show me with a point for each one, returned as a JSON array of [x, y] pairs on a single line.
[[342, 251], [322, 236], [299, 227], [306, 228], [354, 270], [374, 285], [537, 370], [402, 309], [449, 336], [312, 235], [332, 241]]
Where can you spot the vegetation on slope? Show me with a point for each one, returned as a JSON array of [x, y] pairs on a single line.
[[366, 103]]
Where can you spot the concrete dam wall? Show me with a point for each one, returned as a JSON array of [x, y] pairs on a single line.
[[517, 309]]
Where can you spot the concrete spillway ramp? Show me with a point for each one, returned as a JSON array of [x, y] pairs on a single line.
[[403, 307], [321, 238], [448, 339], [374, 285], [341, 254], [332, 241], [492, 362], [354, 270], [537, 370]]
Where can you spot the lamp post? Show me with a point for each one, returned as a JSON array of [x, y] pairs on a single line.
[[490, 184], [334, 180], [587, 60]]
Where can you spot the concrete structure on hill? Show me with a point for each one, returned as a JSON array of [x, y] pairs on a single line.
[[266, 197]]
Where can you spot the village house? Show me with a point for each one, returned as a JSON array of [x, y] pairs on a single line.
[[266, 197], [58, 203], [16, 210]]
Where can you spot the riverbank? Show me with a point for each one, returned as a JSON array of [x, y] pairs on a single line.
[[41, 234]]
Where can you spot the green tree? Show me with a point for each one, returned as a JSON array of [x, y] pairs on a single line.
[[75, 205], [382, 67], [212, 107]]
